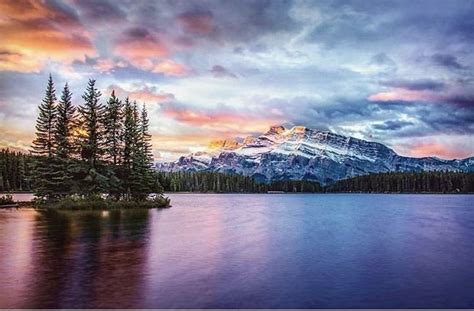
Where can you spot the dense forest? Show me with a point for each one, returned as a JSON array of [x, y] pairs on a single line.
[[15, 171], [440, 182], [207, 182], [86, 151]]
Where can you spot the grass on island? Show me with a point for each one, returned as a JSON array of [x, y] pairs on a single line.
[[7, 200], [99, 203]]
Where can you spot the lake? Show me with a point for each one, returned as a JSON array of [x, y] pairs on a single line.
[[245, 251]]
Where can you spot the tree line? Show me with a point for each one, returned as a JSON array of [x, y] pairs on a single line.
[[207, 182], [16, 175], [435, 181], [93, 148], [15, 171], [226, 183]]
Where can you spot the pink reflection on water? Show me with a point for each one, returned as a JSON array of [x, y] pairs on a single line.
[[15, 254]]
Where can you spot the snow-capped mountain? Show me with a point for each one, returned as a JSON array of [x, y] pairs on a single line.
[[302, 153]]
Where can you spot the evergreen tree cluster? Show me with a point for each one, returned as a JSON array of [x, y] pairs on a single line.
[[208, 182], [304, 186], [227, 183], [15, 171], [439, 182], [93, 148]]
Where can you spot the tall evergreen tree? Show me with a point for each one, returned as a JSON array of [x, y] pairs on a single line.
[[44, 145], [129, 138], [145, 138], [63, 162], [113, 128], [90, 173], [65, 125], [92, 113], [144, 156], [113, 122]]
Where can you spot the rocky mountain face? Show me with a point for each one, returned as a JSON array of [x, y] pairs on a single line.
[[302, 153]]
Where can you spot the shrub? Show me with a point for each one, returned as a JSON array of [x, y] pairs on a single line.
[[6, 199]]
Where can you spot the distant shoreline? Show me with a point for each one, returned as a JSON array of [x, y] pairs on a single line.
[[277, 192]]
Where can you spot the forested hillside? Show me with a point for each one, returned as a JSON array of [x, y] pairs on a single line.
[[439, 182]]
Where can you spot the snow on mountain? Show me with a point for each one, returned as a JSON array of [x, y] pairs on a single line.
[[302, 153]]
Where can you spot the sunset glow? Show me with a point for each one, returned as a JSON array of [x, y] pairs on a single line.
[[397, 73]]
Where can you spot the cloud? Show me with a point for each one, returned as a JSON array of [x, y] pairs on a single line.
[[139, 46], [446, 60], [144, 50], [103, 11], [391, 125], [219, 71], [35, 31], [402, 95], [145, 94], [444, 147], [196, 22], [222, 119], [108, 65], [415, 85]]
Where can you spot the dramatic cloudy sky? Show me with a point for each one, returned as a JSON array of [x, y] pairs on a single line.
[[396, 72]]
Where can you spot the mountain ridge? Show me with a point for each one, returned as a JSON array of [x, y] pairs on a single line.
[[302, 153]]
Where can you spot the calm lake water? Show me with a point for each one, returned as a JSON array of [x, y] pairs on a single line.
[[245, 251]]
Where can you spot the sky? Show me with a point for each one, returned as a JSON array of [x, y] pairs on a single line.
[[397, 72]]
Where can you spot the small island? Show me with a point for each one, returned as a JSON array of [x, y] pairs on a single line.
[[93, 156]]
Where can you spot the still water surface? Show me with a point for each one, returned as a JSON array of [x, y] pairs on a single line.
[[245, 251]]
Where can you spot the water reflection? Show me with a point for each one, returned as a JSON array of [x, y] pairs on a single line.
[[86, 259], [244, 251]]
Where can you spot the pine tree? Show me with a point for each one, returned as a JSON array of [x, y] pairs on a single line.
[[138, 184], [44, 145], [65, 125], [113, 128], [91, 173], [129, 138], [143, 158], [113, 122], [92, 113], [63, 162]]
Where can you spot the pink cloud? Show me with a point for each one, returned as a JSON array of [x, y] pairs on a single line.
[[429, 149], [196, 22], [170, 68], [149, 95], [36, 31], [403, 95], [228, 122]]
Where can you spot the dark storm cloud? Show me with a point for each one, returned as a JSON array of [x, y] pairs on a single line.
[[446, 60], [391, 125], [379, 23], [100, 11], [464, 100], [459, 120], [219, 71], [415, 85], [223, 21]]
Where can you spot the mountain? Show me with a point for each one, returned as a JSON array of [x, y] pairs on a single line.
[[302, 153]]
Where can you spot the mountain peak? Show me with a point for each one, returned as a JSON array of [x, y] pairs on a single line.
[[301, 153], [276, 130], [223, 144]]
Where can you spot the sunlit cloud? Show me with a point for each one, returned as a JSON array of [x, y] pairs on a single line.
[[145, 94], [397, 73], [33, 32]]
